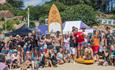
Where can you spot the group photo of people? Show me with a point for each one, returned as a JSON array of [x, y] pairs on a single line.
[[57, 34], [37, 50]]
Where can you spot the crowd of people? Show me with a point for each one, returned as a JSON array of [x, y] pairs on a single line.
[[49, 50]]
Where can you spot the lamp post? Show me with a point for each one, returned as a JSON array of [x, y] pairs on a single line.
[[28, 17]]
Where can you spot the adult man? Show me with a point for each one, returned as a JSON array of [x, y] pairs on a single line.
[[79, 39]]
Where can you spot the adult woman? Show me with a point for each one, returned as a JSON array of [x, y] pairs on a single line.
[[58, 41], [49, 42]]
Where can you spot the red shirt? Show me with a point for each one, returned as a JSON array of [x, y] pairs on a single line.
[[79, 37]]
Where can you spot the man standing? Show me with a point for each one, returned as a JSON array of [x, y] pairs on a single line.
[[79, 40]]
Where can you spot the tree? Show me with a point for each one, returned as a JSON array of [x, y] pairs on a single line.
[[8, 25], [113, 10], [80, 12], [96, 4], [18, 4], [20, 12], [6, 6], [32, 24], [15, 21], [41, 12]]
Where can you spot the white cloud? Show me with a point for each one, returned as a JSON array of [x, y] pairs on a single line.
[[34, 2]]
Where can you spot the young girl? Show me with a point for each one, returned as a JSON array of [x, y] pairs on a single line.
[[113, 54], [95, 42], [66, 43], [60, 57], [72, 48], [88, 54]]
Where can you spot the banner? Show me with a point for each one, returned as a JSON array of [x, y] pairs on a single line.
[[54, 20]]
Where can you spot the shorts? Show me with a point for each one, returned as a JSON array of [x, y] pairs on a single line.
[[58, 48], [71, 44], [75, 44], [82, 44], [73, 50], [50, 46], [95, 49]]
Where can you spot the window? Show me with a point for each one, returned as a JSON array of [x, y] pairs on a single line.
[[104, 22], [109, 22], [114, 22]]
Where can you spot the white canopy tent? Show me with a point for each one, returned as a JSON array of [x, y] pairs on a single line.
[[69, 24]]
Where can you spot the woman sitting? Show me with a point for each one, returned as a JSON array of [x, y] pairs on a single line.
[[88, 53]]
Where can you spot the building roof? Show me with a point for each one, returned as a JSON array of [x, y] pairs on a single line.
[[6, 14]]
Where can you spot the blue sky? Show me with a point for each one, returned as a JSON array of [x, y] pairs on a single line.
[[34, 2]]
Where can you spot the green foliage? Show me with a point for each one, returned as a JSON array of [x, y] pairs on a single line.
[[80, 12], [15, 21], [6, 6], [113, 17], [42, 19], [13, 6], [8, 25], [96, 4], [41, 12], [32, 24], [113, 10], [18, 4], [20, 13]]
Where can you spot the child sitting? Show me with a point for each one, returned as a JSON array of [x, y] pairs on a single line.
[[112, 55], [66, 56], [104, 59], [60, 57], [88, 53], [48, 61]]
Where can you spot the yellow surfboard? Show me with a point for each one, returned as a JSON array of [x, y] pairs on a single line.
[[54, 20], [82, 61]]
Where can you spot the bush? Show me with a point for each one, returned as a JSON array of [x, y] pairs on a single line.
[[8, 25], [32, 24]]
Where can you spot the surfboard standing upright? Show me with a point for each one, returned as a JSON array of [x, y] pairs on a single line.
[[54, 20]]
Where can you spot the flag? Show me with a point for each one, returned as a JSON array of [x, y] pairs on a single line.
[[2, 1]]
